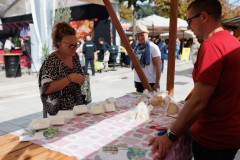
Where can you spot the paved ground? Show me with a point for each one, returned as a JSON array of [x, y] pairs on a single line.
[[20, 100]]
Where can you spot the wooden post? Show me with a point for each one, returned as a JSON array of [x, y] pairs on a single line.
[[126, 44], [237, 33], [172, 46]]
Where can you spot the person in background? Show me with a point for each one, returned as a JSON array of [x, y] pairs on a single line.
[[23, 47], [157, 40], [80, 53], [27, 43], [163, 48], [88, 50], [194, 50], [8, 45], [60, 77], [1, 45], [178, 44], [103, 54], [132, 42], [149, 57], [213, 110]]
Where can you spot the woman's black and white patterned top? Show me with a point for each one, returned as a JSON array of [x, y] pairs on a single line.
[[54, 69]]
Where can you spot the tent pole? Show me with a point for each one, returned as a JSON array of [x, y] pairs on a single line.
[[153, 32], [126, 44], [172, 46]]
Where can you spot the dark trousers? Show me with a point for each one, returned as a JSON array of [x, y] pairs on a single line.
[[28, 58], [91, 60], [140, 87], [203, 153]]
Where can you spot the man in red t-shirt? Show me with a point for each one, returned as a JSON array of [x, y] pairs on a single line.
[[213, 109]]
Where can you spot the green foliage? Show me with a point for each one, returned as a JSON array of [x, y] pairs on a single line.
[[125, 12], [62, 14], [45, 50], [228, 9], [163, 6], [147, 10], [15, 41], [134, 3]]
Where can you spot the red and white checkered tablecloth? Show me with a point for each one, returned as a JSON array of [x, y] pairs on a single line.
[[85, 135]]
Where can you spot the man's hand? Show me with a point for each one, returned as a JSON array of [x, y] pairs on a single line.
[[161, 146], [156, 86]]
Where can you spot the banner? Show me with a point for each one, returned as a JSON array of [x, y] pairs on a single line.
[[83, 28], [185, 54]]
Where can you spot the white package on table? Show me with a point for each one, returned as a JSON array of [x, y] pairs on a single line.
[[67, 114], [80, 109], [38, 124], [57, 120]]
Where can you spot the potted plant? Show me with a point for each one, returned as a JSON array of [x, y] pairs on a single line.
[[16, 42], [45, 51]]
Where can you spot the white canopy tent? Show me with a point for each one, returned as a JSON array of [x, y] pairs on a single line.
[[155, 22], [180, 35], [126, 24], [158, 25], [181, 24]]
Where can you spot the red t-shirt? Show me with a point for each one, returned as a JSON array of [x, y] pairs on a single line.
[[218, 64]]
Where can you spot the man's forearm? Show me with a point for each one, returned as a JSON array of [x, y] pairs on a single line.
[[187, 117], [193, 108]]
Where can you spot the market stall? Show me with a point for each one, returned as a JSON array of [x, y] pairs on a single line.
[[12, 62], [90, 135], [85, 135], [233, 24]]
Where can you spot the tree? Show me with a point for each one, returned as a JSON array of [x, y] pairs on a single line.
[[147, 10], [125, 12], [144, 11], [228, 10], [62, 14], [163, 6], [134, 4]]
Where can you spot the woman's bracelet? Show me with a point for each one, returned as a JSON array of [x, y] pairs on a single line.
[[69, 79]]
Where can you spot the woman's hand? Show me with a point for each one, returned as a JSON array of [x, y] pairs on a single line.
[[77, 78]]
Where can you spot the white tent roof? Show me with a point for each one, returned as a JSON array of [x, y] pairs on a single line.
[[161, 23], [184, 34], [158, 22], [182, 24], [158, 25], [125, 24]]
